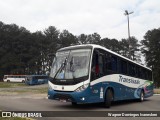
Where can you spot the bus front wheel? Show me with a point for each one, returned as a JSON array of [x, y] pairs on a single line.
[[74, 103], [108, 98]]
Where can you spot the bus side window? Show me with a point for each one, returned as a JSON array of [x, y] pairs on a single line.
[[146, 75], [132, 69], [150, 75], [108, 64], [5, 77], [124, 66], [114, 64], [142, 74], [120, 66], [137, 71]]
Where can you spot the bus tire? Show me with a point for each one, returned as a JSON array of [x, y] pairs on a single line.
[[108, 98], [74, 103], [141, 99], [23, 81], [8, 80]]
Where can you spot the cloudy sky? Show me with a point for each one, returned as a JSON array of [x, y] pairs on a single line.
[[105, 17]]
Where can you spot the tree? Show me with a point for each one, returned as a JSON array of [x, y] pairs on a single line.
[[135, 54], [12, 48], [151, 51], [105, 42], [115, 45], [135, 49], [66, 39], [50, 44], [94, 38], [39, 39], [124, 47], [82, 39], [111, 44]]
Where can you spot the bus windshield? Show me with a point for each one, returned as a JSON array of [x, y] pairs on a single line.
[[71, 64]]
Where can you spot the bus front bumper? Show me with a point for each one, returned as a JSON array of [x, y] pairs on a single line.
[[78, 97]]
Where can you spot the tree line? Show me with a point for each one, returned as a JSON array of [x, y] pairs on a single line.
[[24, 52]]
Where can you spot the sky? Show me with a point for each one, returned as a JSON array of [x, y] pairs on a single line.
[[105, 17]]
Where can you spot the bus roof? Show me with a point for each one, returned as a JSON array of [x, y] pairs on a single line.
[[98, 46]]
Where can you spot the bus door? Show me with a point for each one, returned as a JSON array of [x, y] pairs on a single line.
[[97, 72]]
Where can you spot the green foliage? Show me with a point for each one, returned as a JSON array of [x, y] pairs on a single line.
[[10, 85], [151, 51], [122, 47], [66, 39], [23, 52]]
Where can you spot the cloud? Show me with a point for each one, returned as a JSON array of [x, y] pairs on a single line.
[[83, 16]]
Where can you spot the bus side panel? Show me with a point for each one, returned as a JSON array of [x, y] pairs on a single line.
[[125, 87], [120, 91]]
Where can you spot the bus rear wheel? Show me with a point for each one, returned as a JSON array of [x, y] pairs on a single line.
[[108, 98], [8, 80], [141, 99]]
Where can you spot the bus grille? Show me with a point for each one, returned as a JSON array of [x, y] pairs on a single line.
[[66, 97]]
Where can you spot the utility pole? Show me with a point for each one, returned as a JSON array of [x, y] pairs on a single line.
[[127, 14]]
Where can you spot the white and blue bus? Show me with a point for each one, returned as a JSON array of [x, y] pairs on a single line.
[[91, 74], [36, 79]]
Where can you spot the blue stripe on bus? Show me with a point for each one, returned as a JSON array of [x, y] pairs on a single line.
[[92, 93]]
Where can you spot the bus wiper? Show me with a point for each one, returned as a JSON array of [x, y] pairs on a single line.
[[61, 68]]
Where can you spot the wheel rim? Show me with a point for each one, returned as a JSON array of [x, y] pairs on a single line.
[[142, 96]]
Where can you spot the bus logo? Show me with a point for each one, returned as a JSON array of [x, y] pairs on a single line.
[[6, 114]]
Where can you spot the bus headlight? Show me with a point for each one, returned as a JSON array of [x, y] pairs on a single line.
[[81, 88]]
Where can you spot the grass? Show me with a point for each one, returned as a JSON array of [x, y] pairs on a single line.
[[33, 90], [156, 91], [30, 90], [15, 118], [11, 85], [27, 89]]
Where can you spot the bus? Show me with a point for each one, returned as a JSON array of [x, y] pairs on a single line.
[[14, 78], [36, 79], [91, 74]]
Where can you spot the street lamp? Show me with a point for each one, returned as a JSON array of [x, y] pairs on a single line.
[[127, 14]]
